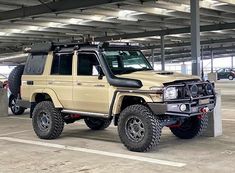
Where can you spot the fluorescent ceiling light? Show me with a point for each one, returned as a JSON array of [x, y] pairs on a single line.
[[128, 15], [162, 11], [15, 30], [2, 33], [177, 35], [34, 28], [211, 3], [55, 24], [98, 17], [110, 17], [185, 7], [219, 31], [155, 37], [75, 21], [168, 48], [139, 39], [122, 40]]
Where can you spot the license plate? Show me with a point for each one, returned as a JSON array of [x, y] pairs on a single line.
[[204, 101]]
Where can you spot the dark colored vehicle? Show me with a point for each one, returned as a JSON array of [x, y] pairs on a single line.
[[226, 73]]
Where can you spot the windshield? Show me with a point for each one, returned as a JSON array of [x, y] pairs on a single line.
[[121, 62]]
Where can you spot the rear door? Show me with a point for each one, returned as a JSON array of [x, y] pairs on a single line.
[[33, 77], [60, 78]]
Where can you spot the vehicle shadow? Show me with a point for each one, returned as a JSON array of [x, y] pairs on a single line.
[[168, 140]]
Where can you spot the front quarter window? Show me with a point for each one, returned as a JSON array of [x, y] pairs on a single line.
[[121, 62]]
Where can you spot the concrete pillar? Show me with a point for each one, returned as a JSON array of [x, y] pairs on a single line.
[[232, 62], [183, 68], [195, 36], [163, 52], [152, 54], [212, 61], [215, 121], [202, 64], [3, 102]]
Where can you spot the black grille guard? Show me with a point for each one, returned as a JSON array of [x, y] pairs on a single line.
[[190, 98]]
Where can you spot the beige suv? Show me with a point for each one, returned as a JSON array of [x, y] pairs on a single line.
[[105, 82]]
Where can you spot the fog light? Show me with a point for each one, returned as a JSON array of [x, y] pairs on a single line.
[[183, 107]]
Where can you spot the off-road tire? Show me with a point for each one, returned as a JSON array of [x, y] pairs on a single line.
[[150, 125], [16, 110], [97, 123], [56, 124], [230, 77], [196, 126], [14, 80]]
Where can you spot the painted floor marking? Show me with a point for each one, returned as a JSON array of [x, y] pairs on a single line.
[[228, 119], [13, 133], [21, 118], [97, 152], [227, 109]]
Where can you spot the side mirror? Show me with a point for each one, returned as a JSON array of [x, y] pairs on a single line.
[[100, 72]]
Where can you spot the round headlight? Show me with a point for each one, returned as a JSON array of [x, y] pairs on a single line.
[[209, 89], [194, 90], [171, 93], [183, 107]]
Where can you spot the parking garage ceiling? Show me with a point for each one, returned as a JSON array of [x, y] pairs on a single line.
[[23, 22]]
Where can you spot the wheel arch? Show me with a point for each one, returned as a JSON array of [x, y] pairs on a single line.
[[46, 94], [124, 100]]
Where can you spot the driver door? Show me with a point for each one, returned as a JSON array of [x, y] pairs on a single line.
[[90, 94]]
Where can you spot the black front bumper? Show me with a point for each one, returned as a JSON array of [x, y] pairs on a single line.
[[173, 109], [197, 96]]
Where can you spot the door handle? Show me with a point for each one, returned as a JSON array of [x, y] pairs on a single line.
[[50, 82], [99, 85]]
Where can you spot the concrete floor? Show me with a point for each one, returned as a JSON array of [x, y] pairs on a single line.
[[82, 150]]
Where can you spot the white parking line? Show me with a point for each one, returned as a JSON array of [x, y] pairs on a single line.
[[228, 119], [12, 133], [21, 118], [98, 152], [228, 109]]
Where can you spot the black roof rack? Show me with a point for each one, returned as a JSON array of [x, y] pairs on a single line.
[[51, 46]]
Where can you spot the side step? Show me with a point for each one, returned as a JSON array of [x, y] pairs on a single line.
[[91, 114]]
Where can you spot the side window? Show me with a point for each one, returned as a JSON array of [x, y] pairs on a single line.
[[87, 64], [62, 64], [35, 64]]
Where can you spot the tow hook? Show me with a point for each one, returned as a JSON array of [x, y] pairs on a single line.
[[204, 110]]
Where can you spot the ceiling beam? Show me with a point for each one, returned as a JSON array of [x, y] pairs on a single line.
[[52, 7], [204, 28], [188, 55], [182, 51], [187, 44]]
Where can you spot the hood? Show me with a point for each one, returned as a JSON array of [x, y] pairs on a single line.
[[157, 78]]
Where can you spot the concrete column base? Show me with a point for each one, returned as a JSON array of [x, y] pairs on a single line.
[[215, 121], [212, 77], [3, 103]]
